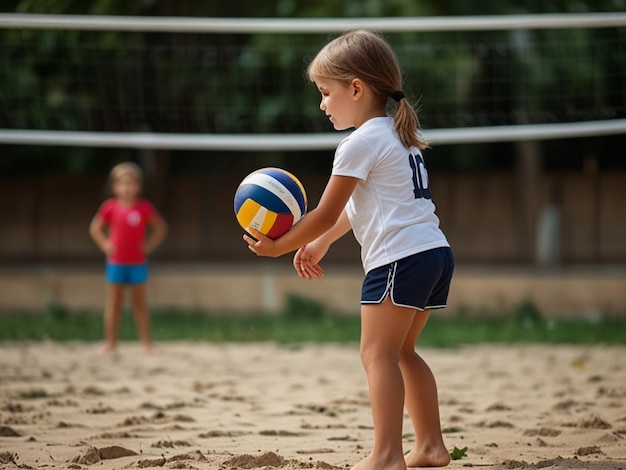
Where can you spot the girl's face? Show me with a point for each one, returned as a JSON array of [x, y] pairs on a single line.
[[126, 187], [338, 102]]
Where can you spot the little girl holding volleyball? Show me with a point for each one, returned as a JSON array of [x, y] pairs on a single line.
[[379, 189], [127, 228]]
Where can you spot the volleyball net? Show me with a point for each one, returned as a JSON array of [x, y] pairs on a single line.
[[239, 84]]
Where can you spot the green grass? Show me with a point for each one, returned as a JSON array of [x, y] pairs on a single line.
[[308, 321]]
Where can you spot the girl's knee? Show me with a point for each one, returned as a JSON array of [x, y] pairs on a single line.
[[371, 354], [138, 295], [407, 355], [140, 308]]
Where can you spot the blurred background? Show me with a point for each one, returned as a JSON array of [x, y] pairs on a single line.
[[534, 217]]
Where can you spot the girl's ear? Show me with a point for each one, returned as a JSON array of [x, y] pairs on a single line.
[[356, 87]]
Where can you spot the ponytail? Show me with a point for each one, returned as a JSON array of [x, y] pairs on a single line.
[[407, 124]]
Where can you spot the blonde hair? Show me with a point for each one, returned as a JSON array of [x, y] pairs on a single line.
[[367, 56], [126, 168]]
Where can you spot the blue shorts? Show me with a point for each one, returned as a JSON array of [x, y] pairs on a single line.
[[126, 273], [420, 281]]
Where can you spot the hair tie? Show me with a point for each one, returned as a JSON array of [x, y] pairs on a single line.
[[397, 96]]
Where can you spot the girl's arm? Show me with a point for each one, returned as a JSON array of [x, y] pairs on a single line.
[[158, 232], [97, 230], [314, 224]]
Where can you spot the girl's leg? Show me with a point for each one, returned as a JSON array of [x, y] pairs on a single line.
[[112, 315], [422, 403], [142, 315], [384, 328]]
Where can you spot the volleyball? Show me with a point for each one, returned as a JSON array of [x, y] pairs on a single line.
[[270, 200]]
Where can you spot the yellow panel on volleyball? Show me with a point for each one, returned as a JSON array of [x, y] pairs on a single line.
[[247, 212], [252, 214]]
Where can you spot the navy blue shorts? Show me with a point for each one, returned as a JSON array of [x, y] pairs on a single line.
[[420, 281], [126, 273]]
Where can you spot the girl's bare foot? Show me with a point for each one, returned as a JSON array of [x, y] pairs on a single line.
[[148, 349], [373, 463], [433, 457], [107, 349]]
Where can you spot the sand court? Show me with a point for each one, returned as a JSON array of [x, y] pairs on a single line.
[[262, 405]]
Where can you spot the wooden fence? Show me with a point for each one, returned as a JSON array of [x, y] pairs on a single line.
[[488, 217]]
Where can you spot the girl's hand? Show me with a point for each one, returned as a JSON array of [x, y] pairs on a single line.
[[98, 231], [262, 246], [306, 260]]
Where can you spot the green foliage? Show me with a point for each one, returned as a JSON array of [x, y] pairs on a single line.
[[128, 81], [308, 321], [457, 453], [527, 313], [238, 83], [300, 307]]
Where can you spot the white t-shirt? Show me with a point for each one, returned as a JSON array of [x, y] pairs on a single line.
[[391, 211]]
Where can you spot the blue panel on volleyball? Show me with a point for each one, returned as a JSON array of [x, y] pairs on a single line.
[[292, 185], [261, 196]]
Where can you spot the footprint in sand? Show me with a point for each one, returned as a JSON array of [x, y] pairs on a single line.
[[270, 459], [94, 455], [494, 424], [8, 457], [498, 407], [281, 433], [593, 422], [170, 444], [212, 434], [6, 431], [158, 418], [543, 432], [590, 450]]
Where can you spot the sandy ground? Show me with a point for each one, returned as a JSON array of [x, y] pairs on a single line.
[[220, 407]]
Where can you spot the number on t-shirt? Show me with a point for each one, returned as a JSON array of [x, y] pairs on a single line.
[[421, 186]]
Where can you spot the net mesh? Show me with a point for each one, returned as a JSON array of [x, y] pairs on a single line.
[[227, 83]]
